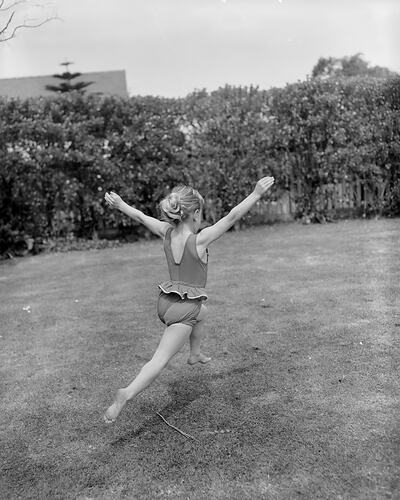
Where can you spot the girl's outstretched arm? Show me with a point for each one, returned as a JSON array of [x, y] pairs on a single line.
[[212, 233], [156, 226]]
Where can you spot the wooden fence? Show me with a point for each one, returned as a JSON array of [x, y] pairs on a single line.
[[348, 198]]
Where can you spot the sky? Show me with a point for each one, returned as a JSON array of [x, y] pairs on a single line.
[[173, 47]]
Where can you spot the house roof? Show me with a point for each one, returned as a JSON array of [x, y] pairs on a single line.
[[104, 82]]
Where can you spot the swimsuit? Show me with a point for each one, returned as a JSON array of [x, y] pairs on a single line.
[[181, 296]]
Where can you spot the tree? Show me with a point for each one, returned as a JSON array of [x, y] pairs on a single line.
[[15, 16], [66, 85], [348, 66]]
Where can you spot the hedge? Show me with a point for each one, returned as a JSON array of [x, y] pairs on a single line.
[[59, 155]]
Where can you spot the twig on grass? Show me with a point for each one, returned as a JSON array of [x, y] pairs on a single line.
[[176, 428]]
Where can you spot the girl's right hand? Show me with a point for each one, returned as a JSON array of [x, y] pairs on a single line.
[[113, 200], [263, 185]]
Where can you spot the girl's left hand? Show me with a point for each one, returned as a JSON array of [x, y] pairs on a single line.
[[113, 199], [263, 185]]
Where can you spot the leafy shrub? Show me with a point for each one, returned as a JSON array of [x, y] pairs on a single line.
[[59, 155]]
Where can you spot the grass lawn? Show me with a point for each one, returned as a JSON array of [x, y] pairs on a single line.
[[301, 399]]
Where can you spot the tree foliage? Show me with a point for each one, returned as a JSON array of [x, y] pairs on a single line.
[[348, 66], [67, 84], [60, 154]]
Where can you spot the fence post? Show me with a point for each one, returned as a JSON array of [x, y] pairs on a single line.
[[292, 196], [358, 192]]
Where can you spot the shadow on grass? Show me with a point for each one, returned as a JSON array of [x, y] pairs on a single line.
[[184, 393]]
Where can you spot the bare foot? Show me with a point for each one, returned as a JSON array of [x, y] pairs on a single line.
[[114, 410], [199, 358]]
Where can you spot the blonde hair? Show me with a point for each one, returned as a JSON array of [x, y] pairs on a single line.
[[182, 201]]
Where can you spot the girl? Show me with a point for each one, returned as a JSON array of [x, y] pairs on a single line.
[[181, 301]]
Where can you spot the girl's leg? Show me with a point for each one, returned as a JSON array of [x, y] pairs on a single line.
[[196, 337], [171, 342]]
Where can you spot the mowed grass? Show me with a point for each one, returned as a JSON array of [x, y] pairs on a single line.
[[301, 399]]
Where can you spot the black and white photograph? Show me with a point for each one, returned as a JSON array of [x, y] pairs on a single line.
[[199, 249]]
